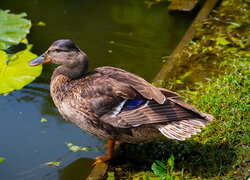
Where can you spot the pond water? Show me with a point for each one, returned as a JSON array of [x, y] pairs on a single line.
[[124, 34]]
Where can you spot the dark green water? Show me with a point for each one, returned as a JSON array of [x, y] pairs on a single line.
[[137, 36]]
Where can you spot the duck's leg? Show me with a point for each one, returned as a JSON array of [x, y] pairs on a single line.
[[110, 153]]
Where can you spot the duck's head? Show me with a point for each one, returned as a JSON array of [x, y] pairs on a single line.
[[66, 53]]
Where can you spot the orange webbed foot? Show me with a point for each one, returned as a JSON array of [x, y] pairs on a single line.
[[101, 159], [111, 144]]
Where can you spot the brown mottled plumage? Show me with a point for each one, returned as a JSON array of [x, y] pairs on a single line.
[[114, 104]]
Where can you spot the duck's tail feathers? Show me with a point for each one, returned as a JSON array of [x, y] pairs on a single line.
[[183, 129], [189, 108]]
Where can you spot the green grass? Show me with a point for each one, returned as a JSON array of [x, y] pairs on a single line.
[[221, 150], [214, 79], [227, 138]]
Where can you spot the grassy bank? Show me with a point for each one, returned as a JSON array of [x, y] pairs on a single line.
[[215, 80]]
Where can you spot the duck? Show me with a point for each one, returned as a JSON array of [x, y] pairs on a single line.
[[114, 104]]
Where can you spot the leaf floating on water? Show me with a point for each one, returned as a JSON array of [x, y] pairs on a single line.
[[1, 159], [43, 120], [54, 163], [14, 27], [77, 148], [69, 144], [87, 148], [15, 72], [41, 23]]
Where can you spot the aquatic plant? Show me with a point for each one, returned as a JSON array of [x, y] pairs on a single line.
[[14, 70]]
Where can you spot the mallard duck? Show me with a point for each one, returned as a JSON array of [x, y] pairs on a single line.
[[114, 104]]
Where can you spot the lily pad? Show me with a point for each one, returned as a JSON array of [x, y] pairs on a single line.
[[15, 72], [13, 28]]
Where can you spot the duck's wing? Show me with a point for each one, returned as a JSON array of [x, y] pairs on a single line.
[[156, 106], [136, 112], [144, 88], [175, 119]]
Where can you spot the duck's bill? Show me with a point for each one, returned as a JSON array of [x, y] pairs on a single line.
[[39, 60]]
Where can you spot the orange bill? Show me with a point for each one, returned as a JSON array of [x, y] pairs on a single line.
[[40, 60]]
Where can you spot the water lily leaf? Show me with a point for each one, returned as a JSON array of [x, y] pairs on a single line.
[[1, 159], [43, 120], [77, 148], [15, 71], [54, 163], [13, 28]]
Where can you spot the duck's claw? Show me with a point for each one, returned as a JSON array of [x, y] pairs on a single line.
[[111, 144], [101, 159]]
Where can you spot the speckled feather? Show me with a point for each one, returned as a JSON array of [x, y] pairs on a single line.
[[95, 101], [88, 102]]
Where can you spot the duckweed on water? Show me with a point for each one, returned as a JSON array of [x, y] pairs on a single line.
[[1, 159], [214, 79], [54, 163]]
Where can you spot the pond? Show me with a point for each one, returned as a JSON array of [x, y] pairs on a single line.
[[125, 34]]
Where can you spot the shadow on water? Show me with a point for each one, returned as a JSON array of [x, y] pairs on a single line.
[[77, 169]]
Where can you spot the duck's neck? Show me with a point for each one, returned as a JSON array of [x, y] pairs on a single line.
[[74, 72]]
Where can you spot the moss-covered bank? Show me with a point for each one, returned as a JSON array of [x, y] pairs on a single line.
[[214, 79]]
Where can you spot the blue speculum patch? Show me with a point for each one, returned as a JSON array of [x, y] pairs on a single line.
[[133, 104]]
